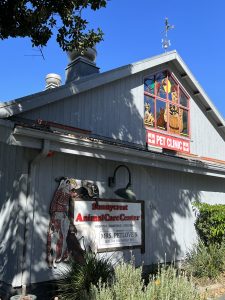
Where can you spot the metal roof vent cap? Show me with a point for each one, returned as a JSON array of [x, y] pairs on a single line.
[[52, 81], [90, 54]]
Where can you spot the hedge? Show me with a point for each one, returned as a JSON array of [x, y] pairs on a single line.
[[210, 223]]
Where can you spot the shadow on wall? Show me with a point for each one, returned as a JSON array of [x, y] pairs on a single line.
[[15, 213], [12, 225], [168, 212], [12, 203], [169, 215]]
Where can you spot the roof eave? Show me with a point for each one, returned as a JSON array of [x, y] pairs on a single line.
[[31, 138]]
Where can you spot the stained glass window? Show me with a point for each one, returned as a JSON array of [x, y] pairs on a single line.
[[166, 104]]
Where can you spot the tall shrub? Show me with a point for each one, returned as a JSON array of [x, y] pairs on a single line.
[[128, 285], [205, 261], [210, 223]]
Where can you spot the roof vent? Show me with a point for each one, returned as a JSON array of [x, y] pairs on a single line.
[[52, 81], [81, 64]]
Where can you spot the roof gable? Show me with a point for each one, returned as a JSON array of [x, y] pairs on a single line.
[[171, 59]]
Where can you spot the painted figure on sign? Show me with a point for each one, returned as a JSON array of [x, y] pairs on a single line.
[[63, 239], [59, 222], [92, 188], [54, 237], [76, 242]]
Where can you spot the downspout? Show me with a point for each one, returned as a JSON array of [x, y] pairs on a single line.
[[30, 213]]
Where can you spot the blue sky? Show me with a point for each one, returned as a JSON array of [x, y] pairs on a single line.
[[133, 31]]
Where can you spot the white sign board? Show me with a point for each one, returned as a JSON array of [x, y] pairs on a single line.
[[109, 224]]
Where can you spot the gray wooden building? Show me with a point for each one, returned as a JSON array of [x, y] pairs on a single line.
[[152, 116]]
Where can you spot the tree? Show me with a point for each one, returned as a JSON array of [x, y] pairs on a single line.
[[37, 20]]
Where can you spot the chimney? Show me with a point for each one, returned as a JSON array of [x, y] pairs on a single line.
[[81, 65], [52, 81]]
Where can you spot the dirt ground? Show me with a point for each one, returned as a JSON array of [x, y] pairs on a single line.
[[211, 289]]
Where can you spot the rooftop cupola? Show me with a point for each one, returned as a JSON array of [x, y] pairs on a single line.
[[81, 64]]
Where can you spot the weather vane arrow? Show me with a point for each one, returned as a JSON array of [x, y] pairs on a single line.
[[165, 40]]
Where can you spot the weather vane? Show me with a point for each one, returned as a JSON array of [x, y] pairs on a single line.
[[165, 40]]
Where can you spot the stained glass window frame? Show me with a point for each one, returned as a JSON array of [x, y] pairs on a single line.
[[168, 101]]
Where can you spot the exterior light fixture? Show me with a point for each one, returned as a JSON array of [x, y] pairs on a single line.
[[126, 192]]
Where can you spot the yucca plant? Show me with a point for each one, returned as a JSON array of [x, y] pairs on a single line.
[[78, 278]]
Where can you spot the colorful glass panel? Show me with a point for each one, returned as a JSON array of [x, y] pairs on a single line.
[[149, 85], [160, 114], [175, 124], [184, 116], [161, 84], [149, 113], [172, 90], [183, 99]]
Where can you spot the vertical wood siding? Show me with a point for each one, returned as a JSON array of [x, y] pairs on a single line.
[[13, 170], [169, 216], [206, 141], [113, 110], [116, 110]]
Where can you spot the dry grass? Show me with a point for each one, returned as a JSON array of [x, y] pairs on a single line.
[[211, 288]]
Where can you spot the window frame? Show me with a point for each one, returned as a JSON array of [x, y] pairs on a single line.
[[155, 97]]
